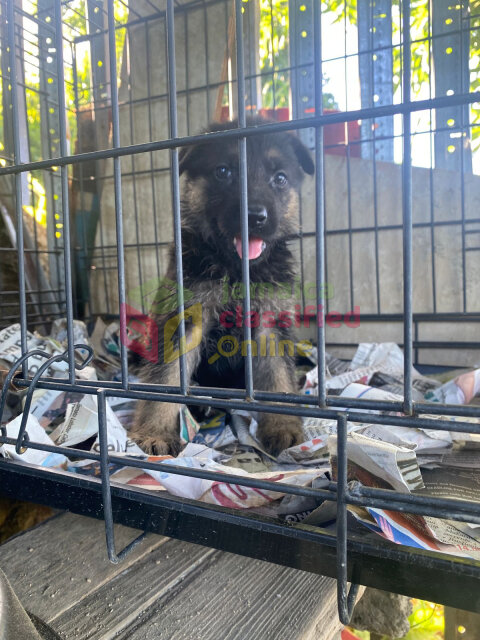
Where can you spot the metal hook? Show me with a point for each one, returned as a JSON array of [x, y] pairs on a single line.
[[22, 445], [28, 400], [88, 357], [9, 377]]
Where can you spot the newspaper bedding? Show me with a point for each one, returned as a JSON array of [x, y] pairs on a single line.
[[410, 460]]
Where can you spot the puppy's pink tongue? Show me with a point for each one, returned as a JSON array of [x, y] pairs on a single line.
[[255, 247]]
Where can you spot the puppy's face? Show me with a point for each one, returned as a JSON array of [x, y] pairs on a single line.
[[276, 164]]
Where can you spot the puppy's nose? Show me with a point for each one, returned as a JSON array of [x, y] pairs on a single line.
[[257, 216]]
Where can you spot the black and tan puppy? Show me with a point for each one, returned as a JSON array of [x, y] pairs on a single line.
[[212, 250]]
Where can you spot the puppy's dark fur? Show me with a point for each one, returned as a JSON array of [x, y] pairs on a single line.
[[210, 210]]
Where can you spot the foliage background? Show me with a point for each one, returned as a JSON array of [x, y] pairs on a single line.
[[275, 56], [420, 33]]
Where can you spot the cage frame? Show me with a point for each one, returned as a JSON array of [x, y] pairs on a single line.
[[434, 576]]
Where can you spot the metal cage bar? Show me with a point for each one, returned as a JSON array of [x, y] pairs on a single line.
[[172, 110], [67, 252], [18, 179], [291, 125], [345, 556], [319, 202], [117, 177], [407, 215], [242, 150]]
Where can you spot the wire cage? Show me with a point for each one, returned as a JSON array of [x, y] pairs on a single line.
[[98, 98]]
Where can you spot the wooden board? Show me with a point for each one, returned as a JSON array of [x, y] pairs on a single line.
[[118, 602], [63, 560], [165, 589], [234, 598]]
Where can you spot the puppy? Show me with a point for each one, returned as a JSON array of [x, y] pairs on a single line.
[[212, 266]]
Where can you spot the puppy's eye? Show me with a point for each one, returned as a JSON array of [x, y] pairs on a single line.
[[223, 172], [280, 179]]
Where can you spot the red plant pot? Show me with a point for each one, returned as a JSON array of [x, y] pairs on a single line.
[[337, 138]]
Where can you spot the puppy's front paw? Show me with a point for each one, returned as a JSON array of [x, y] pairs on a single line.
[[278, 432], [168, 445], [155, 429]]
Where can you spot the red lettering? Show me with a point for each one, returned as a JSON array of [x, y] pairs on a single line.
[[284, 319], [333, 319], [268, 319], [252, 320], [223, 319], [308, 312], [297, 316]]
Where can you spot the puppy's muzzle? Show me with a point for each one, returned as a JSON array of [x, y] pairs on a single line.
[[257, 216]]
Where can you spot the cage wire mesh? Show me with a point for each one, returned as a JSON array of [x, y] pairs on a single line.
[[98, 96]]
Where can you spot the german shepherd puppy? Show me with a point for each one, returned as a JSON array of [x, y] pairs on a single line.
[[212, 251]]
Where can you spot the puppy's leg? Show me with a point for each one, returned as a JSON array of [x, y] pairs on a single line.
[[276, 431], [156, 424]]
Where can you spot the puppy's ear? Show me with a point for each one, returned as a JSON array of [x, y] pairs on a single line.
[[303, 154], [191, 159], [186, 157]]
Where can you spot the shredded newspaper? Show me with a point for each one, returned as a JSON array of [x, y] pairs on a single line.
[[410, 460]]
